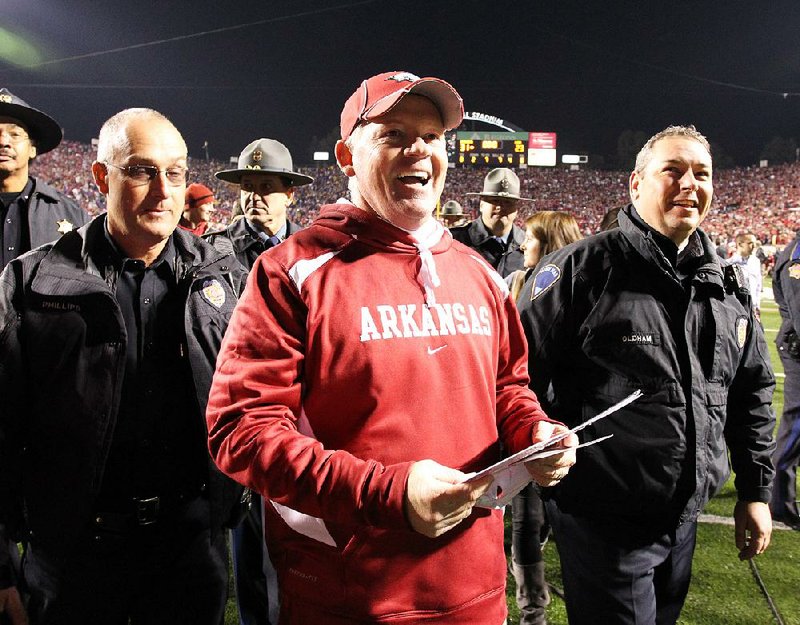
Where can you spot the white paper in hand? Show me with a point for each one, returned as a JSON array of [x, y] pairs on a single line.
[[511, 476]]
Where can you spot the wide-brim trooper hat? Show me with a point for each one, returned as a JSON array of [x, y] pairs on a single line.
[[501, 183], [43, 129], [452, 209], [265, 156]]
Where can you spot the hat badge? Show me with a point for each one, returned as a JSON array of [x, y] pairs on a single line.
[[5, 98], [258, 155], [404, 77], [504, 183]]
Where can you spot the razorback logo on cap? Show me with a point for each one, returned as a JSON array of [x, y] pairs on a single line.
[[546, 277], [404, 77], [213, 292]]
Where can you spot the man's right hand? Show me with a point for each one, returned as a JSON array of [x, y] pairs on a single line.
[[11, 606], [435, 499]]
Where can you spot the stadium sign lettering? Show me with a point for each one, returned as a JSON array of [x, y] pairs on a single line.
[[489, 119]]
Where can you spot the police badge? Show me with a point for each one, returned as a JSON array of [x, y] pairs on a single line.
[[65, 226], [741, 331], [213, 292]]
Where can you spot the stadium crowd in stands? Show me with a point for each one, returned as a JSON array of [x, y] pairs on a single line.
[[763, 200]]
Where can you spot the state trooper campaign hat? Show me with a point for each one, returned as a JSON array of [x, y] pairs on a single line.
[[379, 94], [501, 183], [453, 208], [265, 156], [43, 129]]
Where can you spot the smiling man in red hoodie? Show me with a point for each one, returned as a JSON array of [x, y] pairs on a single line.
[[334, 399]]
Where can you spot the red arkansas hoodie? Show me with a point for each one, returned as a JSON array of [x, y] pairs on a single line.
[[356, 350]]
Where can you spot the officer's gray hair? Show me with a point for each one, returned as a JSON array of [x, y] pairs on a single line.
[[646, 153], [113, 139]]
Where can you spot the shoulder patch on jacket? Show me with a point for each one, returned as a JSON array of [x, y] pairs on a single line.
[[735, 280], [213, 292], [741, 331], [546, 277]]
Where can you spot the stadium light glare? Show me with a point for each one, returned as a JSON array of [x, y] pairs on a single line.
[[322, 156], [18, 51]]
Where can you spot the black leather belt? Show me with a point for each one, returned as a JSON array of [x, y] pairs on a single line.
[[118, 514]]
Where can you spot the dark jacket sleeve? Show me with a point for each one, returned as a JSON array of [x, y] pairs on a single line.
[[11, 444], [787, 293], [751, 420]]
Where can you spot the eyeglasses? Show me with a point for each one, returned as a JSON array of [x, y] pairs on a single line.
[[144, 174]]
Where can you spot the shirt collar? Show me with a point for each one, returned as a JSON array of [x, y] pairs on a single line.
[[263, 236], [119, 259]]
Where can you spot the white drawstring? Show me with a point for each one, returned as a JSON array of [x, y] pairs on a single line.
[[425, 238]]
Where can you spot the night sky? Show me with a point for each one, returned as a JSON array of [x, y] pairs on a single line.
[[230, 72]]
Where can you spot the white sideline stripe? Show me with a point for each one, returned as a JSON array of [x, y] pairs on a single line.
[[727, 520]]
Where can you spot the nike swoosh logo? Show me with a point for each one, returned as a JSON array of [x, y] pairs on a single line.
[[432, 351]]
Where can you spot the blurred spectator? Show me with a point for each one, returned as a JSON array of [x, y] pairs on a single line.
[[452, 214], [751, 266], [197, 210], [610, 219]]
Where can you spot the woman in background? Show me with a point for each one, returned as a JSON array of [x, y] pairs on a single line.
[[545, 232]]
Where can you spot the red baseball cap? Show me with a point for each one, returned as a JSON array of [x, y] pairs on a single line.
[[198, 194], [379, 94]]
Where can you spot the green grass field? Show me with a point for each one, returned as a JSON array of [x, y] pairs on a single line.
[[723, 590]]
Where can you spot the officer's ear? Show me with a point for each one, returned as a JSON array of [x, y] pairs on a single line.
[[100, 175], [633, 185], [344, 157]]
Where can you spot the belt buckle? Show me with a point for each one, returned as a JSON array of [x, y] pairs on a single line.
[[147, 510]]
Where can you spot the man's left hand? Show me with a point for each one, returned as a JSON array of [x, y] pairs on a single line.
[[550, 470], [753, 528]]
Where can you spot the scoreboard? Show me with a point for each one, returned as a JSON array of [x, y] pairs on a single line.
[[489, 149]]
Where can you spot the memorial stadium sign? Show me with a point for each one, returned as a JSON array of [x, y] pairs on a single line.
[[491, 119]]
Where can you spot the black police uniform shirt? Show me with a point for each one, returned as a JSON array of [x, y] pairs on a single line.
[[14, 225], [158, 448]]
